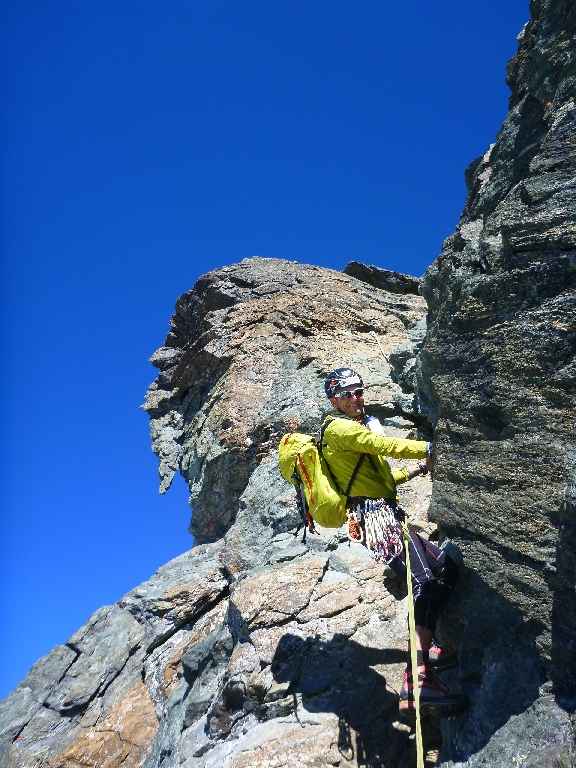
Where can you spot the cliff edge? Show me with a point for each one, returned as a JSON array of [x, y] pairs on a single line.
[[497, 377], [256, 649]]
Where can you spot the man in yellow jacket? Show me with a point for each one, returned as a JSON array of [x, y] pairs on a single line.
[[355, 448]]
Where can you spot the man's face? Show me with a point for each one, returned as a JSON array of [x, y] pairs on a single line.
[[351, 406]]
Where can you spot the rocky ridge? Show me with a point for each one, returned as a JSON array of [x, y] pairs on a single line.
[[256, 649], [245, 359], [497, 378]]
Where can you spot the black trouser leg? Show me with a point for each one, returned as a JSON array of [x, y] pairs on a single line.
[[434, 576]]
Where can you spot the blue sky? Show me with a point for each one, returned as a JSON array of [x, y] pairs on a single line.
[[145, 143]]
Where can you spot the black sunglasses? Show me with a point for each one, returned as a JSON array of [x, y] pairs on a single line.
[[347, 394]]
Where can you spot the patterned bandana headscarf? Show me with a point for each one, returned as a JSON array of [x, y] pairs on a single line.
[[341, 378]]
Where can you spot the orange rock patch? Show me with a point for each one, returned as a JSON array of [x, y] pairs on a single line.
[[122, 738]]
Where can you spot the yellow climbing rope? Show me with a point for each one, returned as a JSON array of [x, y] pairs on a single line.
[[413, 652]]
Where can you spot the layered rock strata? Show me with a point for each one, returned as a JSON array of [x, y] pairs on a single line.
[[497, 378], [255, 648]]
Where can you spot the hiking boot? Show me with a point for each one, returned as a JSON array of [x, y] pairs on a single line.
[[442, 659], [433, 698]]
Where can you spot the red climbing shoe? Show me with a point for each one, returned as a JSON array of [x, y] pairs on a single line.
[[433, 698], [442, 659]]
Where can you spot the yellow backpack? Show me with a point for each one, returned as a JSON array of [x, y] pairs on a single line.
[[302, 464]]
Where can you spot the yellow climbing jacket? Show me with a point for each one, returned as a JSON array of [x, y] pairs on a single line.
[[302, 465], [333, 470], [342, 441]]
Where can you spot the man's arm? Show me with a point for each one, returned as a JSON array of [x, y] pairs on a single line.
[[348, 435], [404, 474]]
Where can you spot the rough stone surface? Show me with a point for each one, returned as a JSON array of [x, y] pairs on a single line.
[[177, 593], [383, 278], [259, 650], [254, 648], [497, 376], [249, 347], [122, 738], [104, 646]]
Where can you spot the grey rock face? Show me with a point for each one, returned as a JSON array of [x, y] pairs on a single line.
[[256, 649], [394, 282], [177, 593], [194, 666], [404, 359], [17, 709], [71, 688], [249, 347], [541, 736], [497, 378], [103, 646]]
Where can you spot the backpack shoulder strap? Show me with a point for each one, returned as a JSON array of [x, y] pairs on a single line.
[[323, 429], [327, 424], [372, 464], [354, 473], [358, 463]]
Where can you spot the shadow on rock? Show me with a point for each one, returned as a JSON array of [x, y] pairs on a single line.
[[337, 676], [500, 668], [562, 582]]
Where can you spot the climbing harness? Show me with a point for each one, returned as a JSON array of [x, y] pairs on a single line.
[[374, 523], [413, 652]]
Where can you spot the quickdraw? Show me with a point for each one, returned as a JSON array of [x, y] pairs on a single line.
[[373, 522]]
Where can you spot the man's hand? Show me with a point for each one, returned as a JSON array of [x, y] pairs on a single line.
[[422, 467]]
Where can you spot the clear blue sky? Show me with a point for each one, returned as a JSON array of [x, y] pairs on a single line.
[[145, 143]]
